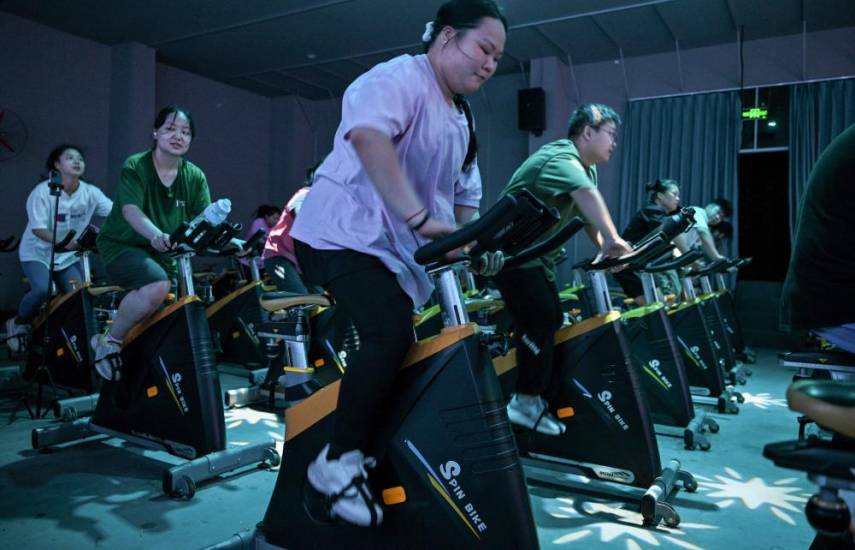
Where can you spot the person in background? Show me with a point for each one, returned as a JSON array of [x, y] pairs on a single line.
[[819, 290], [700, 235], [280, 260], [663, 199], [266, 216], [723, 231], [158, 191], [79, 202], [562, 174]]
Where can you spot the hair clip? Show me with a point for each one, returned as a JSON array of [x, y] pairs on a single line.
[[428, 32]]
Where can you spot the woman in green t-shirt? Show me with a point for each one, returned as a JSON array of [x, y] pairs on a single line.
[[563, 174], [158, 191]]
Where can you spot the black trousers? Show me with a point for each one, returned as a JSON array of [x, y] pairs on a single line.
[[535, 309], [366, 292], [630, 282], [284, 275]]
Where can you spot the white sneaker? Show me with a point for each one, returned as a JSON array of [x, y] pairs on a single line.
[[13, 333], [532, 412], [108, 359], [344, 482]]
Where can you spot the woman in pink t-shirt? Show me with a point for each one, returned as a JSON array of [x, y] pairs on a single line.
[[402, 172]]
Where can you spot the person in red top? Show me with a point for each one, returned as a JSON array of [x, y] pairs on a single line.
[[280, 261]]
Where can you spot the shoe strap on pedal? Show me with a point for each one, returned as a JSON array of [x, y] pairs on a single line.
[[359, 483], [114, 361]]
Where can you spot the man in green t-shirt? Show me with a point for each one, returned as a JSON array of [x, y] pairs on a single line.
[[158, 191], [563, 174]]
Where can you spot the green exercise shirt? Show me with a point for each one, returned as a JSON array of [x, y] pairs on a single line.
[[551, 174], [819, 290], [166, 207]]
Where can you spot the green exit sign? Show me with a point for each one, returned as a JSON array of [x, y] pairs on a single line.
[[755, 113]]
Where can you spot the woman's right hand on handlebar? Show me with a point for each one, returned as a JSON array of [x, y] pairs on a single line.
[[434, 229], [160, 242]]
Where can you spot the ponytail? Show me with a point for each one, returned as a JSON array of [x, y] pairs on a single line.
[[657, 186], [472, 151]]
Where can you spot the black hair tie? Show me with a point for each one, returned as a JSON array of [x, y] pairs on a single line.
[[421, 223]]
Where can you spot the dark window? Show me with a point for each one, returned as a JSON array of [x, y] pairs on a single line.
[[763, 215]]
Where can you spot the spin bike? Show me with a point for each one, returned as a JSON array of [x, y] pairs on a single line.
[[235, 317], [654, 351], [696, 340], [169, 397], [596, 392], [75, 317], [710, 303], [450, 476], [727, 306]]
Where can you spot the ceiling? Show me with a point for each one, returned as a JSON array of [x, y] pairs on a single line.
[[315, 48]]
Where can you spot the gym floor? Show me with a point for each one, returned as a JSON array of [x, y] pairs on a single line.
[[104, 493]]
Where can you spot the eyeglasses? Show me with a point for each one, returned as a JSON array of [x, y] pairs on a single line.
[[610, 131]]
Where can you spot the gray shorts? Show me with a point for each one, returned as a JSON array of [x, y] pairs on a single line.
[[135, 268]]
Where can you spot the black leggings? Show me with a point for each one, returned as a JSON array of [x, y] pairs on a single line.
[[366, 292], [532, 301]]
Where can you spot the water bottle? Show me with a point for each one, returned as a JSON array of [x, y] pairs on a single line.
[[215, 214]]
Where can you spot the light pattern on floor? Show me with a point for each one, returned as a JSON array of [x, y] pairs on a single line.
[[236, 418], [240, 416], [755, 493], [613, 522], [763, 400]]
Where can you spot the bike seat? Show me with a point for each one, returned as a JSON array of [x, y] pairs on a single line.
[[206, 276], [832, 392], [274, 301], [816, 457]]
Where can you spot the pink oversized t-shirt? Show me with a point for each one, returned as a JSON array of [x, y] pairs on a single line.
[[402, 99]]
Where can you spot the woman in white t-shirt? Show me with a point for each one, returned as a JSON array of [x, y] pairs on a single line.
[[701, 234], [78, 202]]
